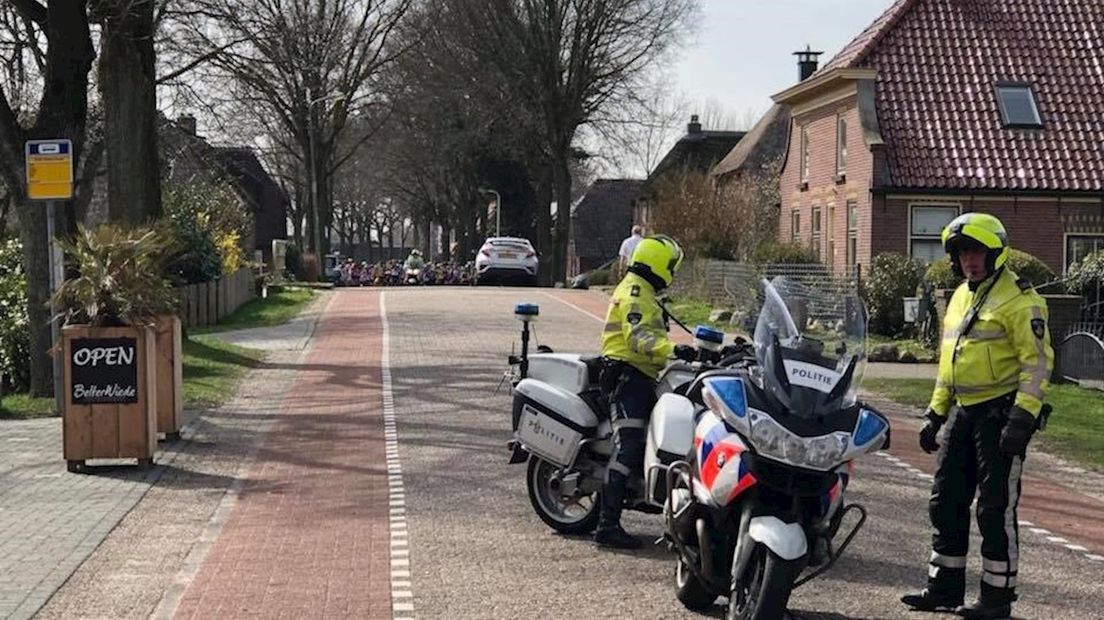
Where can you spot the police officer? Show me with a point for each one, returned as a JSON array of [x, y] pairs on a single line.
[[995, 361], [636, 347]]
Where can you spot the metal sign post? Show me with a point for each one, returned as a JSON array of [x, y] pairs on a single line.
[[50, 178]]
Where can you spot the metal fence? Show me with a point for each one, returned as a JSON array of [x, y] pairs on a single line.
[[1080, 355]]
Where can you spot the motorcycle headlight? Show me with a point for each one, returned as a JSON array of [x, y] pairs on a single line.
[[826, 452], [773, 440]]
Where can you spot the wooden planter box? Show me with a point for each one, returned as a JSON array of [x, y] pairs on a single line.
[[110, 396], [170, 376]]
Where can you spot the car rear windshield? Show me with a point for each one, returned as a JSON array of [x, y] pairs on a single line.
[[516, 246]]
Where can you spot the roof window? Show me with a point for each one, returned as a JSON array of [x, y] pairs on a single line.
[[1017, 106]]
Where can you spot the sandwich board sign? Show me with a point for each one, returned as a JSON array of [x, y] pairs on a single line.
[[49, 169]]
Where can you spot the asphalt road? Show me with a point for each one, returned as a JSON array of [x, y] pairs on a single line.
[[477, 550]]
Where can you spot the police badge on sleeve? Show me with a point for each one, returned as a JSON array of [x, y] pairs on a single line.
[[1038, 327]]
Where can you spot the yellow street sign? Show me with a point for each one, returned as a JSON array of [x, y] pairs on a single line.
[[49, 169]]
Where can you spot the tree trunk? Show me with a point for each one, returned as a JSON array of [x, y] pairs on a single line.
[[446, 251], [561, 181], [128, 84], [36, 263], [544, 228]]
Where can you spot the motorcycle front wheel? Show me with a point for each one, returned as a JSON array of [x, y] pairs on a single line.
[[572, 514], [764, 592]]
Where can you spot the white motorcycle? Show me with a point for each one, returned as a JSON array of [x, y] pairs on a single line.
[[562, 429]]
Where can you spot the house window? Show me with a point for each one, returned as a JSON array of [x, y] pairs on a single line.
[[795, 226], [852, 233], [841, 148], [816, 233], [831, 224], [1080, 246], [805, 154], [926, 224], [1017, 106]]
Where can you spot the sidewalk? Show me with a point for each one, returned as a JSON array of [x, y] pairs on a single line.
[[53, 523]]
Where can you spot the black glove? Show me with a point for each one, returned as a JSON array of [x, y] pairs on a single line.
[[1017, 432], [930, 431], [686, 352]]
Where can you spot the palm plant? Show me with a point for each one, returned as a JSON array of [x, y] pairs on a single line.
[[121, 277]]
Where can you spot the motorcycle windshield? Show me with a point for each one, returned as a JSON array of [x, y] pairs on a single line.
[[810, 342]]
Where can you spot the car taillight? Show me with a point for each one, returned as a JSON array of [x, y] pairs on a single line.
[[530, 254], [485, 252]]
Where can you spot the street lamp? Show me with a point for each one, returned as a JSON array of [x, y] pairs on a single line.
[[498, 210], [314, 171]]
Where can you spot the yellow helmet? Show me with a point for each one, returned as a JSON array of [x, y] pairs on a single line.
[[659, 256], [983, 229]]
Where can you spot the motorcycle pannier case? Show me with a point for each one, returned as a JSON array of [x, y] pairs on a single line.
[[670, 439], [551, 422]]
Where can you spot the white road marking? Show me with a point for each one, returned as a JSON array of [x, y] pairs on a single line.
[[401, 587], [569, 304]]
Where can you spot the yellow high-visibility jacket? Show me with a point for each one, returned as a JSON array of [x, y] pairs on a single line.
[[1007, 349], [635, 332]]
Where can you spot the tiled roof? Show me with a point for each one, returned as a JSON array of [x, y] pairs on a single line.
[[695, 151], [602, 219], [938, 62]]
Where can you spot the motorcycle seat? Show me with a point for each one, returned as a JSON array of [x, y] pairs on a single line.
[[594, 368]]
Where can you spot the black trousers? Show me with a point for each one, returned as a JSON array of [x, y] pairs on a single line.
[[970, 462], [632, 398]]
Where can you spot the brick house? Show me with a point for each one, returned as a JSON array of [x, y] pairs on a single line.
[[946, 106]]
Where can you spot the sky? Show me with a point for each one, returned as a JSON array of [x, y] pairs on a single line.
[[742, 52]]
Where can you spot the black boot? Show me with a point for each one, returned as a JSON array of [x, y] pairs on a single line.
[[615, 536], [985, 610], [929, 600]]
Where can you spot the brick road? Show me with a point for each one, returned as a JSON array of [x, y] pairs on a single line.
[[309, 534]]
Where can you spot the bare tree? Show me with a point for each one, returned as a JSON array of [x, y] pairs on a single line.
[[59, 109], [566, 60], [310, 65]]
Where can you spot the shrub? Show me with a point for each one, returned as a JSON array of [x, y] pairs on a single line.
[[939, 273], [773, 252], [599, 277], [15, 350], [892, 277], [1083, 277], [209, 223], [121, 276]]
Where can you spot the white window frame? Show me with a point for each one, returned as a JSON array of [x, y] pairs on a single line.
[[957, 206], [795, 226], [1065, 245], [806, 155], [816, 220], [852, 257], [841, 146]]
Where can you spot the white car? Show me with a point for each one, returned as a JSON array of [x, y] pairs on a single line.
[[506, 259]]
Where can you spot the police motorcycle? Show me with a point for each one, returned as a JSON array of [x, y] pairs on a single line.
[[562, 429], [759, 496]]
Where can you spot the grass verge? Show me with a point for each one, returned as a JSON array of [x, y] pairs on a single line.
[[277, 309], [212, 372], [1075, 431], [22, 406], [213, 369]]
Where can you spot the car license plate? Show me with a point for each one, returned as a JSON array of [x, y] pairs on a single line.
[[507, 255], [546, 437]]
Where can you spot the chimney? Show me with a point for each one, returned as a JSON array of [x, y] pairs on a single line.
[[694, 127], [187, 124], [806, 63]]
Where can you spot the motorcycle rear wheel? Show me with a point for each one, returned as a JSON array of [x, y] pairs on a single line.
[[766, 590], [577, 515]]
